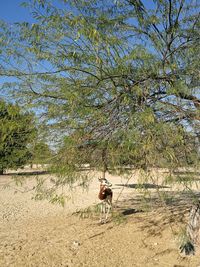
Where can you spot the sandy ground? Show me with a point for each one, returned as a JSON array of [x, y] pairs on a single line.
[[37, 233]]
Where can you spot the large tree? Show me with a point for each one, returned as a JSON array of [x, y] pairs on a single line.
[[119, 78], [17, 130]]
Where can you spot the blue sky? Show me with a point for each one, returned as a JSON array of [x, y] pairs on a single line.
[[11, 11]]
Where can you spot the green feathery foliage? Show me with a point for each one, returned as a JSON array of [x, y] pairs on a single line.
[[117, 79], [17, 130]]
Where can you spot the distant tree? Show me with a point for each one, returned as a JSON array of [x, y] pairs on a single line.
[[40, 153], [17, 130]]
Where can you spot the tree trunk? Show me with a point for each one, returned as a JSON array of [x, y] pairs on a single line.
[[104, 161], [194, 223], [1, 171], [193, 231]]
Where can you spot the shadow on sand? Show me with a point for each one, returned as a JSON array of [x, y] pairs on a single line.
[[158, 213], [130, 211], [27, 173], [145, 186]]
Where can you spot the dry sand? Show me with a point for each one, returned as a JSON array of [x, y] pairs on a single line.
[[36, 233]]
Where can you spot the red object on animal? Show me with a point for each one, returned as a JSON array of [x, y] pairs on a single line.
[[105, 192]]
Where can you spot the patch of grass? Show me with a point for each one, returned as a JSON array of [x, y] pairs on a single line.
[[118, 218], [89, 212], [167, 198], [182, 237], [94, 212], [146, 205]]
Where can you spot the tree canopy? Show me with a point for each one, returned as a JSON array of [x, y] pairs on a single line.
[[120, 79], [17, 130], [40, 152]]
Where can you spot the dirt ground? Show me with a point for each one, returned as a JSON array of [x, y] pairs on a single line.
[[140, 233]]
